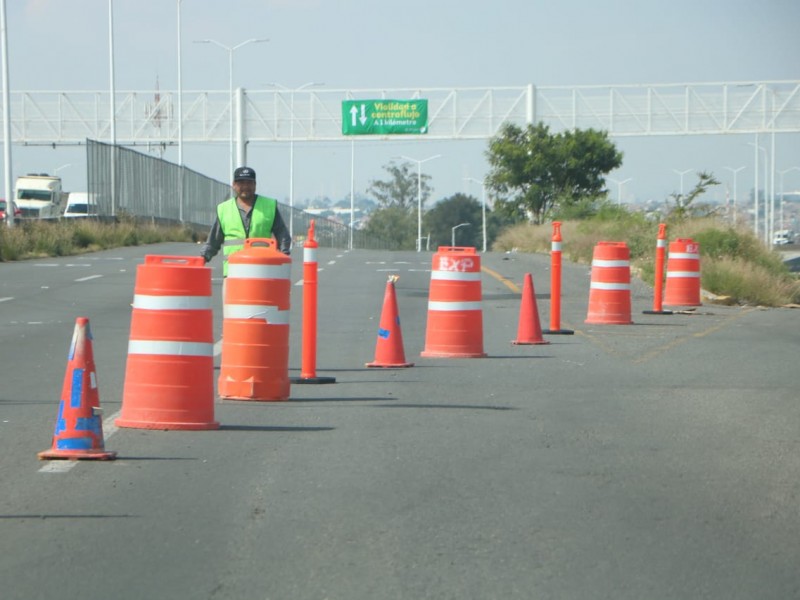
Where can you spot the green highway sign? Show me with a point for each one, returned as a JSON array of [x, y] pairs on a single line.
[[384, 117]]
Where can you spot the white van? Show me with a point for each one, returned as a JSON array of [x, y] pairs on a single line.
[[80, 204]]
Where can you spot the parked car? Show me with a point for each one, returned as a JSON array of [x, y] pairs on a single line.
[[4, 208]]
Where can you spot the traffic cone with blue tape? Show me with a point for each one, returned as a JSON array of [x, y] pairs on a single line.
[[79, 427], [389, 351]]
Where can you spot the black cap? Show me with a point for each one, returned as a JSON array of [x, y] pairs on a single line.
[[244, 173]]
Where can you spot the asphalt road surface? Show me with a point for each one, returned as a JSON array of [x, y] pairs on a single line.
[[656, 460]]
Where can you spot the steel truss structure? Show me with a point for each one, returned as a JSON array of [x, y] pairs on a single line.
[[314, 114]]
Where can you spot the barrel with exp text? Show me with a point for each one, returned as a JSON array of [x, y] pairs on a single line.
[[455, 311], [683, 273]]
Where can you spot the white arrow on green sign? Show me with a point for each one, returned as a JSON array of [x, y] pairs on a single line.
[[384, 117]]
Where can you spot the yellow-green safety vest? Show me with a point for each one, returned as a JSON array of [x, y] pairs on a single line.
[[232, 226]]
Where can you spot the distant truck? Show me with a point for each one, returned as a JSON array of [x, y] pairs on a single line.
[[39, 196], [783, 237]]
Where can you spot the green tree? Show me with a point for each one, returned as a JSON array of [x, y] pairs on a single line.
[[401, 187], [533, 171], [448, 213], [394, 224]]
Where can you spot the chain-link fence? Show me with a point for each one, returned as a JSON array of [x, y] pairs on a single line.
[[124, 182]]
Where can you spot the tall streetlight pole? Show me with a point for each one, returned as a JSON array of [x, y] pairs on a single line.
[[231, 50], [782, 173], [619, 187], [419, 194], [682, 173], [483, 207], [113, 107], [735, 172], [755, 188], [180, 94], [180, 122], [6, 118]]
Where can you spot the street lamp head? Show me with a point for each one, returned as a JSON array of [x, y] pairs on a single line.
[[416, 160]]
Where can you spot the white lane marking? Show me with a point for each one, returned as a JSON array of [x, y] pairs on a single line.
[[78, 265], [217, 347], [64, 466], [45, 265], [331, 262], [386, 270], [88, 278], [58, 466], [6, 299], [299, 282]]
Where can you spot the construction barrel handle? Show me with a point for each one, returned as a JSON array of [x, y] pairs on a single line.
[[269, 242], [189, 261]]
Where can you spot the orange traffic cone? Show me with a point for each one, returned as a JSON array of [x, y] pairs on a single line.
[[389, 347], [529, 331], [79, 427]]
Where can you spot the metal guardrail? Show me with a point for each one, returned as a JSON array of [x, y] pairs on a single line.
[[126, 182]]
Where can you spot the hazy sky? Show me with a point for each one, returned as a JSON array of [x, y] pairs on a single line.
[[354, 44]]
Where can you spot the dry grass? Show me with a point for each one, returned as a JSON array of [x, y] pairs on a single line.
[[733, 262], [35, 239]]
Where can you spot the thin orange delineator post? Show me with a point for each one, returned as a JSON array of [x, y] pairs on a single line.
[[555, 284], [308, 369], [658, 291]]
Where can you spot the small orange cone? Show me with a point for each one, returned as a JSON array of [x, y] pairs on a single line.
[[389, 347], [529, 331], [79, 427]]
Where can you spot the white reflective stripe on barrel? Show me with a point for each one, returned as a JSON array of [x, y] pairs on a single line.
[[169, 348], [683, 274], [243, 271], [147, 302], [450, 306], [309, 255], [456, 275], [684, 255], [555, 246], [610, 263], [271, 314], [601, 285]]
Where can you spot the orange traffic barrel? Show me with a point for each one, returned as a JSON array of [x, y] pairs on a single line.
[[683, 274], [255, 327], [610, 289], [455, 313], [169, 376]]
